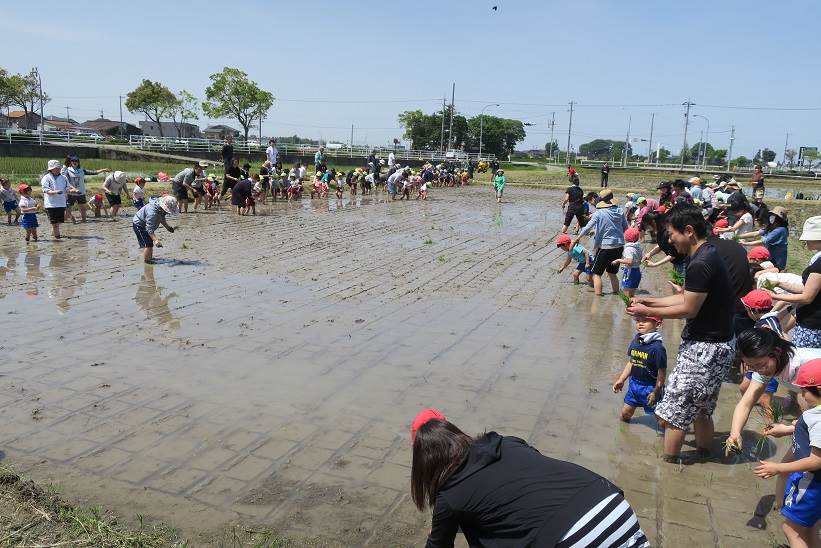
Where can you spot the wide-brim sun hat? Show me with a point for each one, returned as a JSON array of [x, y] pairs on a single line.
[[712, 185], [170, 205], [203, 163], [54, 164], [779, 212], [812, 229]]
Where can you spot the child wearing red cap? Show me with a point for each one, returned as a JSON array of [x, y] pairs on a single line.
[[577, 253], [95, 203], [759, 306], [646, 368], [28, 207], [138, 194], [759, 259], [631, 259], [802, 465]]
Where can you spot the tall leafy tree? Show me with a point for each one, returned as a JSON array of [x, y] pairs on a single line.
[[499, 135], [21, 90], [604, 149], [152, 99], [183, 110], [232, 95], [764, 155]]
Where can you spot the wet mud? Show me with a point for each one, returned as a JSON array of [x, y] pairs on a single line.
[[266, 369]]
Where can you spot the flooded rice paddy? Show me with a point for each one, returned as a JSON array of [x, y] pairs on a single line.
[[266, 370]]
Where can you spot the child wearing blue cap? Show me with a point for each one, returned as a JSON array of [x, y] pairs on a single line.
[[646, 369]]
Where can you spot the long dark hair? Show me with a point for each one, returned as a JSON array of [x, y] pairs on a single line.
[[760, 342], [438, 449]]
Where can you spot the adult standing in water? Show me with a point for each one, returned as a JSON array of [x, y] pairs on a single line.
[[227, 152], [707, 344], [233, 174], [272, 152], [320, 158], [758, 183], [76, 176], [55, 187], [184, 181], [608, 224], [499, 491], [574, 200], [605, 175], [113, 186]]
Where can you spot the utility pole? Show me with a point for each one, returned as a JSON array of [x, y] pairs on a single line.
[[122, 126], [730, 154], [552, 124], [627, 142], [687, 104], [35, 73], [650, 143], [68, 114], [450, 128], [351, 141], [442, 138], [569, 127], [102, 114], [700, 147]]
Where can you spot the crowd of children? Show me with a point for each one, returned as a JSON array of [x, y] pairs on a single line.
[[701, 231]]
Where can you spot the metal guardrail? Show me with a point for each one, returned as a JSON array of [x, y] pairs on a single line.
[[175, 145], [287, 149]]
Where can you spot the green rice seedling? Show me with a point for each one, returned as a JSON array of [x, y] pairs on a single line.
[[676, 277], [625, 298], [731, 447], [769, 285], [428, 242]]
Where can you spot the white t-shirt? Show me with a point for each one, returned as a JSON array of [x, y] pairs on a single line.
[[114, 186], [50, 182], [139, 193], [301, 172], [26, 202], [271, 152], [747, 224], [391, 159], [632, 250], [802, 356]]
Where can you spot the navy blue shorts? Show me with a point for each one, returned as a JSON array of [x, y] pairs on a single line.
[[802, 499], [772, 386], [139, 204], [10, 206], [636, 396], [114, 199], [142, 236], [581, 268], [631, 278]]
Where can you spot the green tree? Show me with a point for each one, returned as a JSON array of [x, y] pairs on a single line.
[[551, 148], [498, 135], [764, 155], [232, 95], [696, 151], [21, 90], [183, 110], [742, 161], [717, 157], [152, 99], [604, 149]]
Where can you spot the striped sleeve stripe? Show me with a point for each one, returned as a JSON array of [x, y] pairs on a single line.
[[592, 524], [618, 537], [589, 515], [613, 525]]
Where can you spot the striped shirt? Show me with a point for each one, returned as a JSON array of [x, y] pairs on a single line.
[[609, 524]]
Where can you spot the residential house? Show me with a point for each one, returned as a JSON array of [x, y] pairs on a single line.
[[219, 132], [55, 123], [18, 120], [169, 129], [4, 121], [110, 127]]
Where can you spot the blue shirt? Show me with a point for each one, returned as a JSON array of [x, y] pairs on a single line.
[[647, 358], [577, 253], [609, 223], [776, 242], [695, 192], [149, 217]]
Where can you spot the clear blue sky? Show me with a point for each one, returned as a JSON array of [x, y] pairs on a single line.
[[357, 56]]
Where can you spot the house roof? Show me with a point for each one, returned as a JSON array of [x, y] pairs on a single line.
[[101, 124], [219, 127], [18, 113], [58, 119]]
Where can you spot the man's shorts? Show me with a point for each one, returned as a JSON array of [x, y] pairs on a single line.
[[142, 237], [637, 394], [604, 261], [182, 194], [56, 215], [772, 384], [577, 212], [79, 199], [802, 499], [693, 387], [113, 199], [631, 278]]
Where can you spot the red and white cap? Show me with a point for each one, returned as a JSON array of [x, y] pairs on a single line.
[[757, 299], [422, 418], [563, 239], [758, 252], [809, 374]]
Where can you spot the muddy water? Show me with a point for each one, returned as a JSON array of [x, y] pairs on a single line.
[[267, 369]]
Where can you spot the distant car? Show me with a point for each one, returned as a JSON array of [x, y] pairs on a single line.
[[334, 146]]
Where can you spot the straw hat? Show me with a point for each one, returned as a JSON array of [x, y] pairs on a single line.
[[780, 212]]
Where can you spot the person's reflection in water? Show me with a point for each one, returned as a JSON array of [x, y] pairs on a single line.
[[498, 220], [61, 285], [33, 272], [149, 298]]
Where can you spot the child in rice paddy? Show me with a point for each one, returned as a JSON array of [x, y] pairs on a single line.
[[10, 204], [646, 369], [631, 260], [577, 253], [759, 306]]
